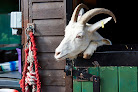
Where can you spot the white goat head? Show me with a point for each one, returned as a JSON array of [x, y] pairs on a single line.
[[81, 37]]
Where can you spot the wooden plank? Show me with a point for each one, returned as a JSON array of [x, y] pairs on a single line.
[[53, 89], [52, 77], [127, 79], [25, 19], [88, 86], [52, 80], [48, 44], [68, 79], [48, 10], [109, 79], [69, 84], [22, 10], [47, 61], [45, 0], [30, 11], [49, 27]]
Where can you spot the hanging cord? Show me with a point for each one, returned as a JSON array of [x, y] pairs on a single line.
[[35, 60], [30, 76]]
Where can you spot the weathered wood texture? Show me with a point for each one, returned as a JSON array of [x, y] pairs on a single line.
[[48, 44], [24, 9], [48, 10], [49, 17], [47, 61], [52, 77], [53, 89], [69, 84], [49, 27]]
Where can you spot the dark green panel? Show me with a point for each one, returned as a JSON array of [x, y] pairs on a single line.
[[6, 36], [76, 86], [88, 86], [127, 79], [108, 79], [113, 79]]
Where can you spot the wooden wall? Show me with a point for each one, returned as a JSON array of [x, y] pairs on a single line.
[[50, 19]]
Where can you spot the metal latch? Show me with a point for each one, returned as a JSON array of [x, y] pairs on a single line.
[[31, 27], [68, 67], [82, 74]]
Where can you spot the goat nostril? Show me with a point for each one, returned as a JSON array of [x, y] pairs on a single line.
[[57, 53]]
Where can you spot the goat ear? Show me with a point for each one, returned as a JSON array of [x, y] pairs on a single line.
[[98, 24], [80, 13]]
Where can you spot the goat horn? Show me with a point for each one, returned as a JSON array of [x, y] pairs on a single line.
[[76, 12], [91, 13]]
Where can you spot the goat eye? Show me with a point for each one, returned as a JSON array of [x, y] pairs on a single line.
[[79, 36]]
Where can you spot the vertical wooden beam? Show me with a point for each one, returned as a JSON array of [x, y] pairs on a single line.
[[68, 84], [25, 18], [30, 11], [65, 12], [68, 79]]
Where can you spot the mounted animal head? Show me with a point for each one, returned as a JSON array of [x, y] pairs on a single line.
[[79, 34]]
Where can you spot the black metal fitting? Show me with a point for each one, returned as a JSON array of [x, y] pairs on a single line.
[[68, 67]]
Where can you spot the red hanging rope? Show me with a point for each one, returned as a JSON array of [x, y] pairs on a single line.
[[35, 61], [26, 73]]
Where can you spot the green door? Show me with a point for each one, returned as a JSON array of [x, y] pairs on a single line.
[[112, 79]]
